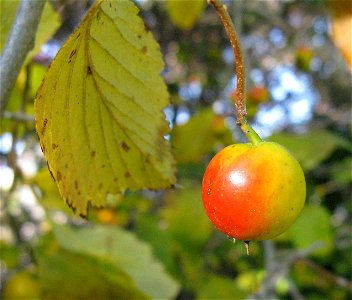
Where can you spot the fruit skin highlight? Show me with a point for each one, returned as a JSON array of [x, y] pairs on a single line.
[[253, 191]]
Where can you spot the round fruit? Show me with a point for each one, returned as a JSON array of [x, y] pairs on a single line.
[[253, 191]]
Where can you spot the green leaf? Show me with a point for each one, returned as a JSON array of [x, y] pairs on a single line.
[[311, 148], [99, 111], [185, 212], [218, 287], [150, 229], [313, 225], [124, 251], [10, 253], [205, 131], [341, 171], [185, 13], [68, 275]]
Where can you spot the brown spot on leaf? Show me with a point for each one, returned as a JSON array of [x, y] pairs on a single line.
[[103, 166], [58, 176], [54, 146], [44, 126], [144, 50], [73, 52], [76, 184], [127, 174], [89, 70], [92, 154], [124, 146], [115, 179]]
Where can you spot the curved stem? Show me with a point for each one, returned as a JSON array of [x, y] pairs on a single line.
[[240, 102], [250, 133]]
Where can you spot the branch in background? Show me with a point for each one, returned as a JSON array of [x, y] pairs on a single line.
[[333, 278], [281, 270], [19, 43], [18, 116]]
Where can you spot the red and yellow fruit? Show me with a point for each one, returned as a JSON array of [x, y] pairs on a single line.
[[253, 191]]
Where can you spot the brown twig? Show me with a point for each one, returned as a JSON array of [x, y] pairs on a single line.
[[240, 71], [329, 276], [240, 101]]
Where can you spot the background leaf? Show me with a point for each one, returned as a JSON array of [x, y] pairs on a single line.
[[205, 132], [185, 206], [184, 14], [99, 110], [313, 225], [218, 287], [69, 275], [311, 148], [124, 251]]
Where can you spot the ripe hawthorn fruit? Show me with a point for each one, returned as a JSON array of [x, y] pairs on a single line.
[[253, 191]]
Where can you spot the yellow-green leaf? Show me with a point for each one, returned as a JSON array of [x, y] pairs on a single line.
[[99, 111], [185, 13]]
